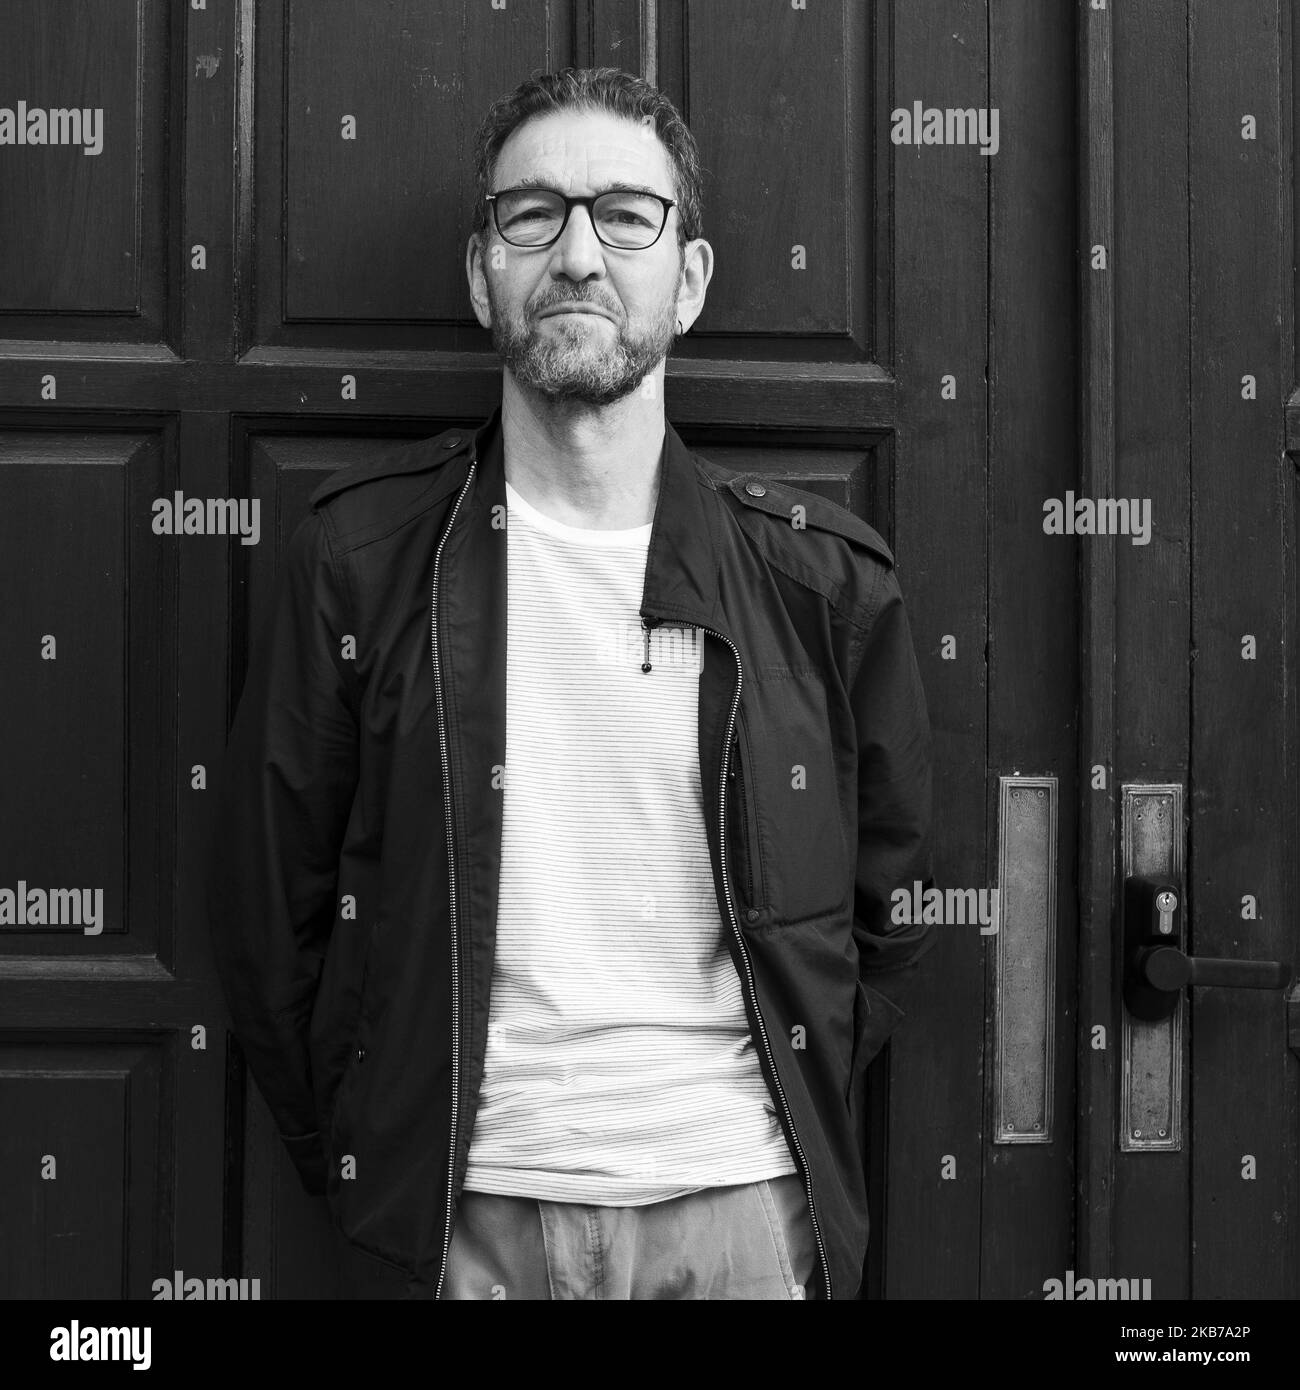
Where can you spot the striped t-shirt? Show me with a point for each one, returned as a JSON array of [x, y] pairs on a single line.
[[620, 1068]]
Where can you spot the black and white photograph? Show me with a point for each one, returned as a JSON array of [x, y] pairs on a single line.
[[648, 652]]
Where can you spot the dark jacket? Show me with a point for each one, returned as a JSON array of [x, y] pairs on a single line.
[[354, 872]]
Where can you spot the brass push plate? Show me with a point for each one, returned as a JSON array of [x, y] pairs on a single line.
[[1151, 1052], [1025, 961]]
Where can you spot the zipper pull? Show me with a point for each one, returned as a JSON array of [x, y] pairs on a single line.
[[646, 625]]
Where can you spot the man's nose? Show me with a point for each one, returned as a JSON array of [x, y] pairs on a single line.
[[578, 254]]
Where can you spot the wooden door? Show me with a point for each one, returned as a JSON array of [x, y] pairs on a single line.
[[259, 279], [1135, 709], [1189, 1173]]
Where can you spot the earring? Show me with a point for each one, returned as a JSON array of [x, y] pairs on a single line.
[[680, 329]]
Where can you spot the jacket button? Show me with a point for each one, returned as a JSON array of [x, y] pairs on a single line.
[[752, 914], [361, 1054], [756, 489], [451, 442]]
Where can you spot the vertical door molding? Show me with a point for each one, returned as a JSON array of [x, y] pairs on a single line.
[[1097, 884]]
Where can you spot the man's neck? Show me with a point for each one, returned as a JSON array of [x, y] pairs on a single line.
[[590, 467]]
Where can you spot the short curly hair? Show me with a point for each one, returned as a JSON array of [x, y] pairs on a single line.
[[593, 89]]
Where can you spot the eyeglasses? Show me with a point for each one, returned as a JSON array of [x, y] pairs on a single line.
[[621, 218]]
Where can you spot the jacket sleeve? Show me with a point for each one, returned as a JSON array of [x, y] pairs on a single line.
[[894, 813], [282, 802]]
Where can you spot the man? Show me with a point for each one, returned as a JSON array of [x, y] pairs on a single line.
[[569, 785]]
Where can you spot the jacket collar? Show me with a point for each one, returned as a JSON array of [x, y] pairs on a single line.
[[681, 577]]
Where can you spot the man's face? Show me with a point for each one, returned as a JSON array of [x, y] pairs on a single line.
[[571, 353]]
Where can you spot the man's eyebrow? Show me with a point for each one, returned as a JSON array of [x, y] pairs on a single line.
[[533, 181]]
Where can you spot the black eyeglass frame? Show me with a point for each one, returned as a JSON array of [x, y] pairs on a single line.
[[589, 202]]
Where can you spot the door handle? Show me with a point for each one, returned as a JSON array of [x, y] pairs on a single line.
[[1157, 969], [1168, 968]]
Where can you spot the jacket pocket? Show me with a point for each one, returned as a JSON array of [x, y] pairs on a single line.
[[746, 849], [347, 1081], [874, 1019], [355, 1058], [791, 752]]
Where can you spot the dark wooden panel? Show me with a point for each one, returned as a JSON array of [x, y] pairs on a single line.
[[776, 395], [1097, 990], [1153, 582], [84, 234], [211, 81], [339, 240], [97, 1228], [203, 571], [931, 1228], [615, 33], [1244, 1094], [374, 229], [86, 734], [1289, 37], [1033, 663], [788, 162], [783, 104]]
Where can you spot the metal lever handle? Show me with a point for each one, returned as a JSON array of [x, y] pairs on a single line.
[[1168, 968], [1156, 969]]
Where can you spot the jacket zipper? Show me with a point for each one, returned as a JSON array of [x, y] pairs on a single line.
[[749, 970], [451, 878]]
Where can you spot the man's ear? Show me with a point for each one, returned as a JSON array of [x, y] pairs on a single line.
[[697, 271], [475, 273]]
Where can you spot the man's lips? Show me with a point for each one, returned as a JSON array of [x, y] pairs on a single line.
[[573, 308]]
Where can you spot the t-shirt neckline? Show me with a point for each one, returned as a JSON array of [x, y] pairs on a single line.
[[578, 535]]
